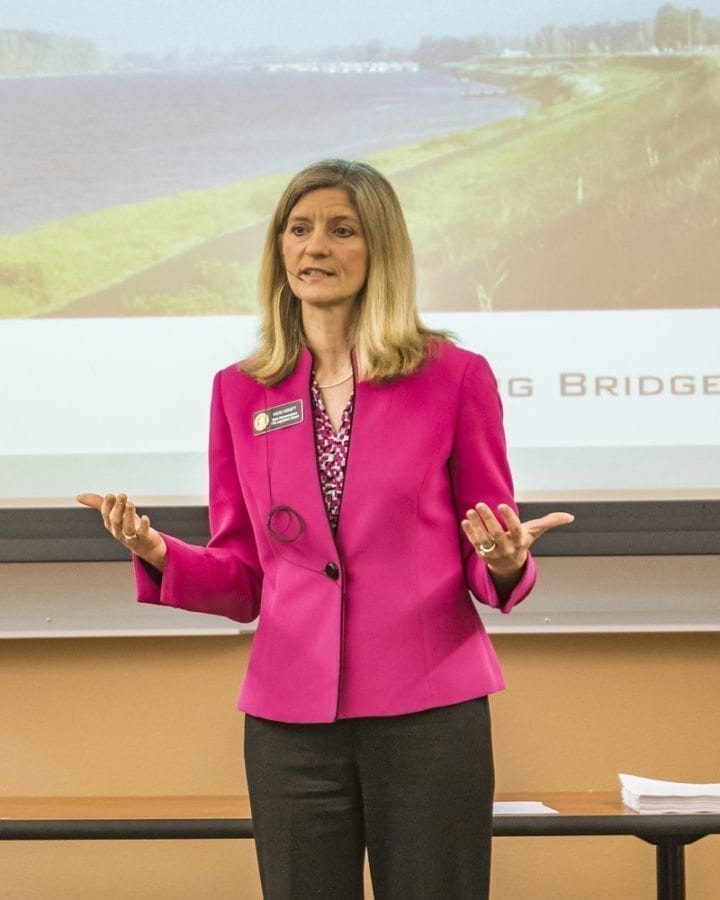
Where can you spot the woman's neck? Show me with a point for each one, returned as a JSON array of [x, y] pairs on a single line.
[[328, 340]]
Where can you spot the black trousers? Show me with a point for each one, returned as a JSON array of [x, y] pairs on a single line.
[[416, 790]]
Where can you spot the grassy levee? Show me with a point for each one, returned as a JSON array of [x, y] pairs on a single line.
[[605, 195], [43, 270]]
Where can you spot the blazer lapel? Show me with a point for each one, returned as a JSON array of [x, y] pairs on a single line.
[[293, 478], [373, 440]]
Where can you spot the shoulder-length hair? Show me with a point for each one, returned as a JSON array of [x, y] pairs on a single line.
[[388, 337]]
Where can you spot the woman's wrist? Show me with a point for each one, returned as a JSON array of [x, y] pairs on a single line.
[[155, 557], [506, 577]]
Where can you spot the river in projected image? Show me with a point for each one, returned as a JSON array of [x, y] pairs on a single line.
[[76, 144]]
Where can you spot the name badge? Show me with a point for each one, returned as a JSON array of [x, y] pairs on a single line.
[[277, 417]]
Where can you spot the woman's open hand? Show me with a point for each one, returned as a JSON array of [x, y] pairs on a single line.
[[505, 547], [125, 525]]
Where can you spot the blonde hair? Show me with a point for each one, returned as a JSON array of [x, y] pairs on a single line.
[[388, 337]]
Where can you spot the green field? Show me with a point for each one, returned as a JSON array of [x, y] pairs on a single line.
[[605, 195]]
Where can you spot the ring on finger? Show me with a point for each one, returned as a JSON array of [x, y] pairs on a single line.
[[129, 537], [484, 549]]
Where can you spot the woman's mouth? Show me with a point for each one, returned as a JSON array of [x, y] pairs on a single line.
[[312, 272]]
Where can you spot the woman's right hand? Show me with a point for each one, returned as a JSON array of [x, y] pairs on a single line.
[[125, 525]]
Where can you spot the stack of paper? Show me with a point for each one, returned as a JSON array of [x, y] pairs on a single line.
[[650, 796]]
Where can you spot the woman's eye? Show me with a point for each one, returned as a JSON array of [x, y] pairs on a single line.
[[343, 231], [298, 230]]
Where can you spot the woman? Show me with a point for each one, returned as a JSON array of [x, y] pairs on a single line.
[[359, 490]]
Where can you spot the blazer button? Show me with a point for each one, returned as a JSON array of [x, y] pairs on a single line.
[[332, 571]]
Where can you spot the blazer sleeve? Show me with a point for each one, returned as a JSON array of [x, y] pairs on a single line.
[[480, 472], [225, 577]]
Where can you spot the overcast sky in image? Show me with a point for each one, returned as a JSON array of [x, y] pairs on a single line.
[[158, 26]]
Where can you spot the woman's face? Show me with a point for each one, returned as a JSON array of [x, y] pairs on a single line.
[[324, 249]]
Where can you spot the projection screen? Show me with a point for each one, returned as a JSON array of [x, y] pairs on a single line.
[[559, 166]]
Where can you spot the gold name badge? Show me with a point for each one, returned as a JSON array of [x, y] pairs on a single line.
[[277, 417]]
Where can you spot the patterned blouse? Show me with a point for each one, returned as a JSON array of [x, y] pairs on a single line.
[[332, 451]]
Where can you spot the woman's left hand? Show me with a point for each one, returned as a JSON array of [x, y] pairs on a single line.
[[505, 548]]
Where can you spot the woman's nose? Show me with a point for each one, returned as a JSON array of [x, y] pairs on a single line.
[[317, 244]]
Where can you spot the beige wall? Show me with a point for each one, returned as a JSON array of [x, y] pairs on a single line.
[[156, 715]]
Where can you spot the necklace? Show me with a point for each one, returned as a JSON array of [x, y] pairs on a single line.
[[324, 387]]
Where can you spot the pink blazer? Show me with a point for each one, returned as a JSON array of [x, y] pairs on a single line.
[[377, 619]]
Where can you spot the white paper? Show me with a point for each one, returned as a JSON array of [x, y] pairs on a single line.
[[648, 795], [654, 788], [522, 808]]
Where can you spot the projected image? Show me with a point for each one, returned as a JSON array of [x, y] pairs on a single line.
[[549, 157], [558, 163]]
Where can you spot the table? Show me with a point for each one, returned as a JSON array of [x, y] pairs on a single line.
[[589, 813], [154, 818]]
